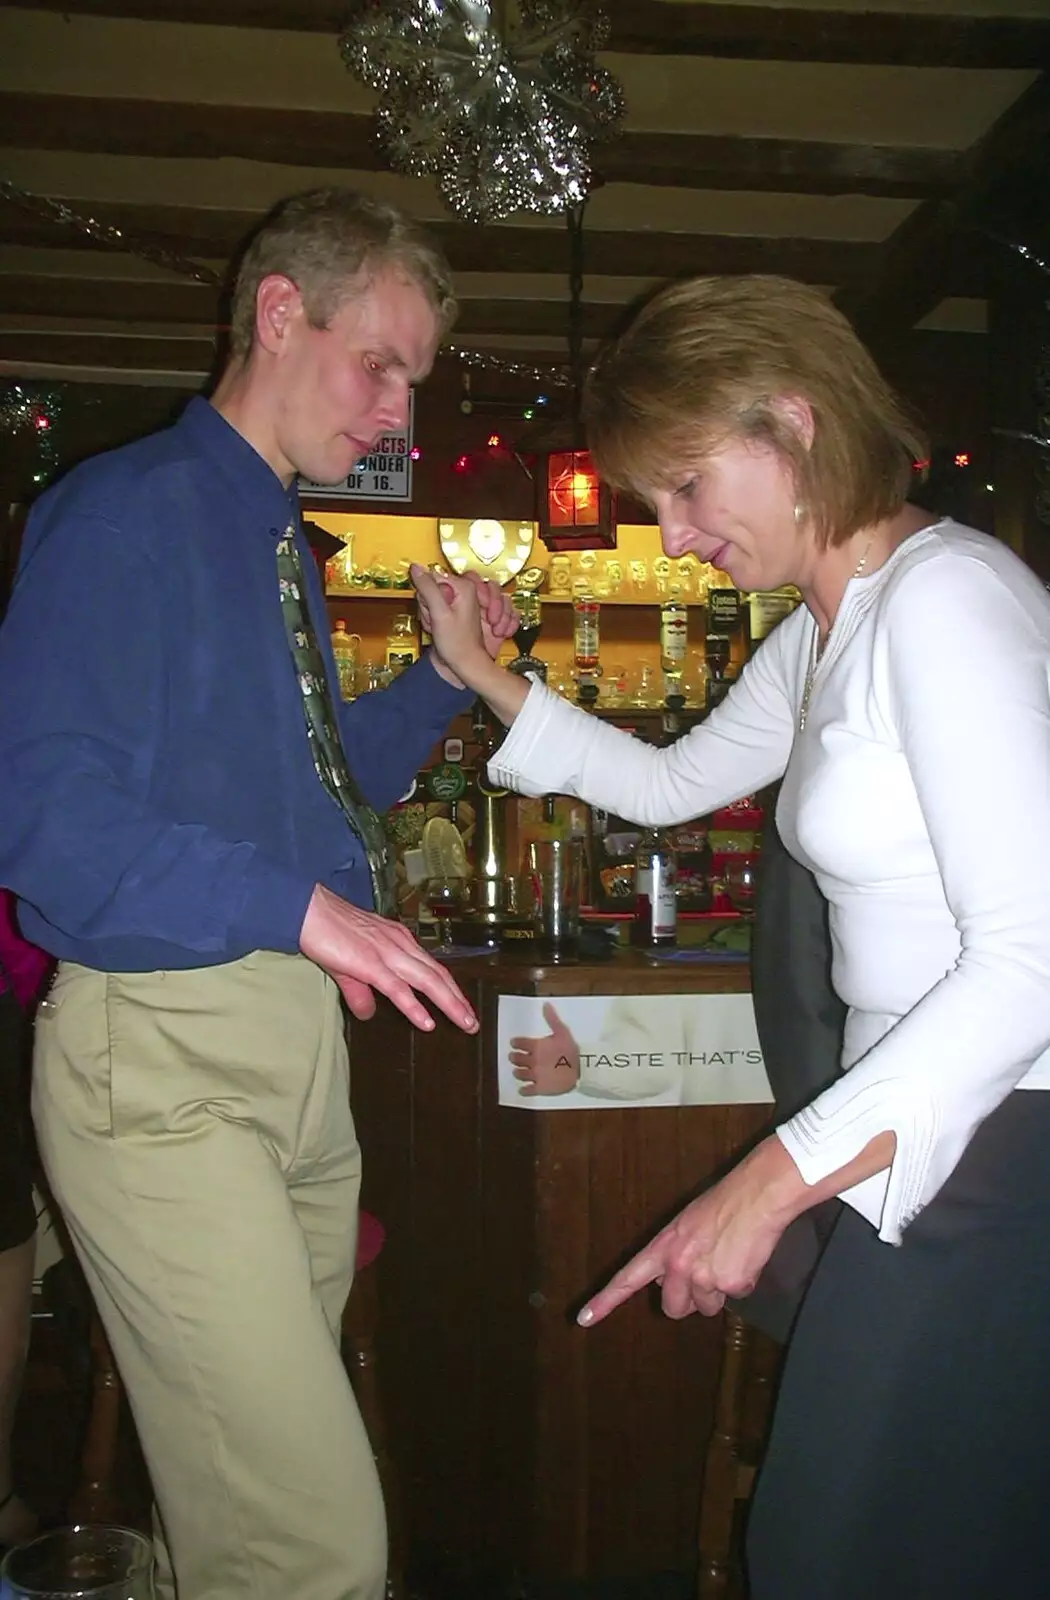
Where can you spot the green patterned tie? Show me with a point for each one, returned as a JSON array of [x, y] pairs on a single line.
[[322, 726]]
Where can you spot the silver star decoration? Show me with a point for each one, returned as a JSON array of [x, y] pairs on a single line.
[[498, 103]]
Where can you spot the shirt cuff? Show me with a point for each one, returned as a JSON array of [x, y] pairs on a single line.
[[273, 909], [827, 1135], [438, 693]]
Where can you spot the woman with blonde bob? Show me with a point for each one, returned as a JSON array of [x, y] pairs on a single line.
[[905, 707]]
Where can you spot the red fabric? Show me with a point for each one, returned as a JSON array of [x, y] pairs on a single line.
[[371, 1236], [22, 966]]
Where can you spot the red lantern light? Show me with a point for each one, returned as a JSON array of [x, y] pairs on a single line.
[[576, 508]]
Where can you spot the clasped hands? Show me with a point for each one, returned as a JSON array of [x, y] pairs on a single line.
[[468, 617]]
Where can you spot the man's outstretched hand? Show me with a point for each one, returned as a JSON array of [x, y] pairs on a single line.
[[364, 953]]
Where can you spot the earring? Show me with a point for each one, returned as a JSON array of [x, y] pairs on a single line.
[[800, 513]]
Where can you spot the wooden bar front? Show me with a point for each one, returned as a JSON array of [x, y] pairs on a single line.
[[525, 1444]]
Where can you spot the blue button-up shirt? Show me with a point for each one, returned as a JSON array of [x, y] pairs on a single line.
[[159, 805]]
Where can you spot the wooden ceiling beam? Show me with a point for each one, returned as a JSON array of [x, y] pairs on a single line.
[[791, 33], [345, 141], [781, 166], [104, 352], [214, 235], [197, 305], [99, 350], [749, 33], [913, 266], [113, 300]]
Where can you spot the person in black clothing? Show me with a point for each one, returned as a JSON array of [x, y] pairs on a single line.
[[800, 1020], [21, 969]]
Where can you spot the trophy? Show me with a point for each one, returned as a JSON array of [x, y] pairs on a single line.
[[527, 605]]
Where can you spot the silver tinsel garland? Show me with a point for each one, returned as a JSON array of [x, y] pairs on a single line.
[[557, 377], [499, 103], [104, 233], [34, 410]]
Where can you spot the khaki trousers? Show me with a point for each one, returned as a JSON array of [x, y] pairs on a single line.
[[196, 1131]]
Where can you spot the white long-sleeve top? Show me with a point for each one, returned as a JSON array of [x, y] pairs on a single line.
[[919, 795]]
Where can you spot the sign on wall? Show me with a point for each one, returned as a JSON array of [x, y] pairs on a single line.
[[384, 474], [604, 1051]]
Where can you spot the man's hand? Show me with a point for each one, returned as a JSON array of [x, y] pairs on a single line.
[[717, 1247], [364, 952], [549, 1064], [467, 617]]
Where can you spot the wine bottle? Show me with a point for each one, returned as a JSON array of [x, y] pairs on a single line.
[[655, 923]]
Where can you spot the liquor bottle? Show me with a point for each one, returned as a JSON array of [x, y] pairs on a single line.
[[716, 659], [724, 615], [768, 607], [724, 606], [402, 644], [527, 605], [655, 923], [671, 715], [674, 638], [586, 634], [345, 647]]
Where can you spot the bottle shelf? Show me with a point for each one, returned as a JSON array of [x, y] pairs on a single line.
[[604, 600], [545, 599], [404, 595], [595, 914]]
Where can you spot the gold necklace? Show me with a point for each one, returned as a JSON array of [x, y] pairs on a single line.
[[817, 650]]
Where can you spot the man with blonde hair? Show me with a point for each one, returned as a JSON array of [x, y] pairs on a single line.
[[190, 820]]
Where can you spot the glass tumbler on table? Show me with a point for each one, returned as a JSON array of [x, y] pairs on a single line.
[[85, 1562], [556, 870]]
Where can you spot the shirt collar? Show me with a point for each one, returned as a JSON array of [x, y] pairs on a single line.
[[264, 496]]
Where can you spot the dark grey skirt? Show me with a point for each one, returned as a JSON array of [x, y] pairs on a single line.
[[910, 1453]]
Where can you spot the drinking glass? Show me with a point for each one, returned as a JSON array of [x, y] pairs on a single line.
[[740, 876], [556, 869], [647, 691], [560, 679], [445, 896], [614, 685], [90, 1561]]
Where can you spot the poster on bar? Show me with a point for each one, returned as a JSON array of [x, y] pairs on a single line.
[[597, 1052], [384, 474]]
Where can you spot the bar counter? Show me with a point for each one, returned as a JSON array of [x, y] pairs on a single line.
[[526, 1446]]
